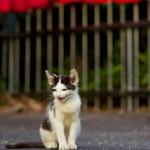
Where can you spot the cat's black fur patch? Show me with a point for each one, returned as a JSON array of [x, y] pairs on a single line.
[[46, 125], [52, 107], [66, 81], [56, 79]]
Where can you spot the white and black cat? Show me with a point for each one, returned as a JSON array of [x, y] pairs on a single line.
[[61, 125]]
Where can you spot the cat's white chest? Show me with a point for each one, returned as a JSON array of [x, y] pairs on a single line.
[[68, 110], [68, 118]]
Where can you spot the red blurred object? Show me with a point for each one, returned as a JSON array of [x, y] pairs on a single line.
[[38, 3], [5, 5], [95, 1], [70, 1], [24, 5], [99, 1], [19, 5], [126, 1]]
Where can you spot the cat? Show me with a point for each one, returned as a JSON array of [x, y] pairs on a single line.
[[61, 125]]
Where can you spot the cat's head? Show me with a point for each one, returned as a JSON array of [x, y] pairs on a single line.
[[63, 86]]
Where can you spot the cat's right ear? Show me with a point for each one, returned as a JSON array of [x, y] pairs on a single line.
[[51, 77], [73, 77]]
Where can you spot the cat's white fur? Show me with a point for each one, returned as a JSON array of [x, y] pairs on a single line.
[[66, 121]]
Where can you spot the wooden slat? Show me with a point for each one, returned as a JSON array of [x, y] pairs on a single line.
[[84, 54], [27, 54], [148, 45], [61, 41], [49, 43], [129, 70], [79, 29], [72, 36], [38, 51], [97, 56], [11, 66], [115, 93], [17, 56], [109, 54], [123, 57], [136, 54]]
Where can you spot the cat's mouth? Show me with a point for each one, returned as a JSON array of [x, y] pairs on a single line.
[[61, 98]]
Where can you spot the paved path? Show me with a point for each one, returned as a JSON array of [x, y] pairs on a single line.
[[99, 131]]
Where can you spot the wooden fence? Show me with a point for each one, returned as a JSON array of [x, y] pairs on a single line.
[[129, 91]]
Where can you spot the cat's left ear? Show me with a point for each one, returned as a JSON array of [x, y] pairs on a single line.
[[73, 77], [51, 77]]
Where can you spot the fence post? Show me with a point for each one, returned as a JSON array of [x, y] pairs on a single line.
[[61, 41], [38, 50], [123, 57], [84, 54], [129, 70], [72, 37], [136, 55], [11, 65], [17, 56], [148, 45], [109, 55], [97, 56], [27, 53], [49, 43]]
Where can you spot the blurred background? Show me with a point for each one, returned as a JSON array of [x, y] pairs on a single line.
[[106, 41]]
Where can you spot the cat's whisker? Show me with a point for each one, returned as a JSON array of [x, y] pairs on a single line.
[[47, 97], [46, 92]]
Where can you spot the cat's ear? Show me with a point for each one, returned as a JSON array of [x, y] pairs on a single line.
[[73, 77], [51, 77]]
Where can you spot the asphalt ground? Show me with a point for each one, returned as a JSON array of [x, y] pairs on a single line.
[[103, 131]]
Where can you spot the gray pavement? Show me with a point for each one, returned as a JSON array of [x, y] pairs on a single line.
[[103, 131]]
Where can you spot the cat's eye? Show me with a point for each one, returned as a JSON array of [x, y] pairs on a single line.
[[54, 90], [64, 89]]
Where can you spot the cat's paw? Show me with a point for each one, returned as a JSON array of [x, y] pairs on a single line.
[[72, 146], [63, 147], [51, 145]]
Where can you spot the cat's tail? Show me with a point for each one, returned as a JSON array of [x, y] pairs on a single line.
[[25, 145]]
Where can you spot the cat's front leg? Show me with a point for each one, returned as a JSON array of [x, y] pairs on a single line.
[[61, 135], [74, 131]]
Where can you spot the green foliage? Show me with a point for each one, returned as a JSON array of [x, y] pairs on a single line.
[[2, 82], [143, 73], [116, 64]]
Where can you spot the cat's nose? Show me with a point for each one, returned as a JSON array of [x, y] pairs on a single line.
[[58, 95]]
